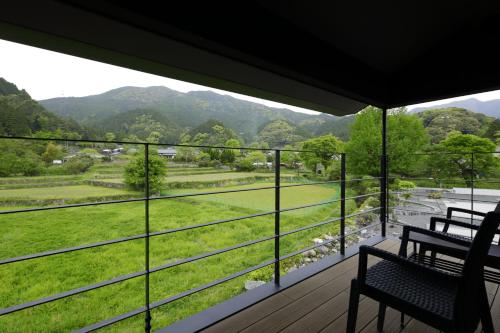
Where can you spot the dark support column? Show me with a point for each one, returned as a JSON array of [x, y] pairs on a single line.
[[342, 204], [383, 174], [472, 192], [277, 162], [147, 319]]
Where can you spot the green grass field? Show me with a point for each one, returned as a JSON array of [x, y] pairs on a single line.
[[264, 199], [33, 232], [208, 177], [61, 192]]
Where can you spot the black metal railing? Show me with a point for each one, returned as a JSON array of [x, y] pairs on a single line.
[[148, 234], [475, 174]]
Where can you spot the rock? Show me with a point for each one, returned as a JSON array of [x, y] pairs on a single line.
[[328, 237], [251, 284], [291, 269], [323, 249], [317, 241], [364, 231], [310, 253], [307, 260]]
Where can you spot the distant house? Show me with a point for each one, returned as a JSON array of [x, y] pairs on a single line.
[[167, 153], [57, 162], [117, 151]]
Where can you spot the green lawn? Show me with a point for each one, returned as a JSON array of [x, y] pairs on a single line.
[[33, 232], [264, 199], [209, 177], [61, 192]]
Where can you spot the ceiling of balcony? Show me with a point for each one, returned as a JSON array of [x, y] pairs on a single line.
[[332, 56]]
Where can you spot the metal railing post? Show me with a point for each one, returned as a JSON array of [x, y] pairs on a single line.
[[147, 319], [277, 162], [472, 192], [342, 203], [383, 176]]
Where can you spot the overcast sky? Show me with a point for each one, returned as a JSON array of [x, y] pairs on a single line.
[[46, 74]]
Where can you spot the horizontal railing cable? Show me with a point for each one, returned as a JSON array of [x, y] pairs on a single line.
[[312, 247], [122, 278], [164, 232], [189, 292], [155, 269], [37, 209], [311, 226], [170, 299]]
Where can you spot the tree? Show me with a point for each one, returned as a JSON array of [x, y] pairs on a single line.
[[251, 161], [229, 155], [19, 157], [405, 136], [212, 133], [289, 157], [147, 128], [321, 150], [453, 157], [110, 136], [278, 133], [492, 130], [52, 152], [135, 173], [185, 153], [441, 122]]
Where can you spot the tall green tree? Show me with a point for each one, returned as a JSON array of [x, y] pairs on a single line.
[[321, 150], [464, 155], [405, 136], [52, 152], [289, 157], [135, 171]]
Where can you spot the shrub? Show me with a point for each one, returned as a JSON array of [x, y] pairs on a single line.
[[245, 164], [78, 164], [435, 195], [404, 184]]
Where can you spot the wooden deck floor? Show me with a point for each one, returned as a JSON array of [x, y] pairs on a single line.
[[320, 303]]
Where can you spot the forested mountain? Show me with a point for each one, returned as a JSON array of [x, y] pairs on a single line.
[[441, 121], [20, 115], [489, 108], [134, 113], [139, 123], [187, 110]]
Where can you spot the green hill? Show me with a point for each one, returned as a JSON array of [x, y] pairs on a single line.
[[439, 122], [185, 110], [20, 115]]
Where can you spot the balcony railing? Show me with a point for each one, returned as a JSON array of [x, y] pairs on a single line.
[[147, 235], [384, 194]]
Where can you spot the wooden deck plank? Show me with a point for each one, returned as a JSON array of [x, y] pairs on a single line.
[[249, 316], [320, 304], [314, 299], [391, 323], [318, 280], [367, 311], [322, 316]]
